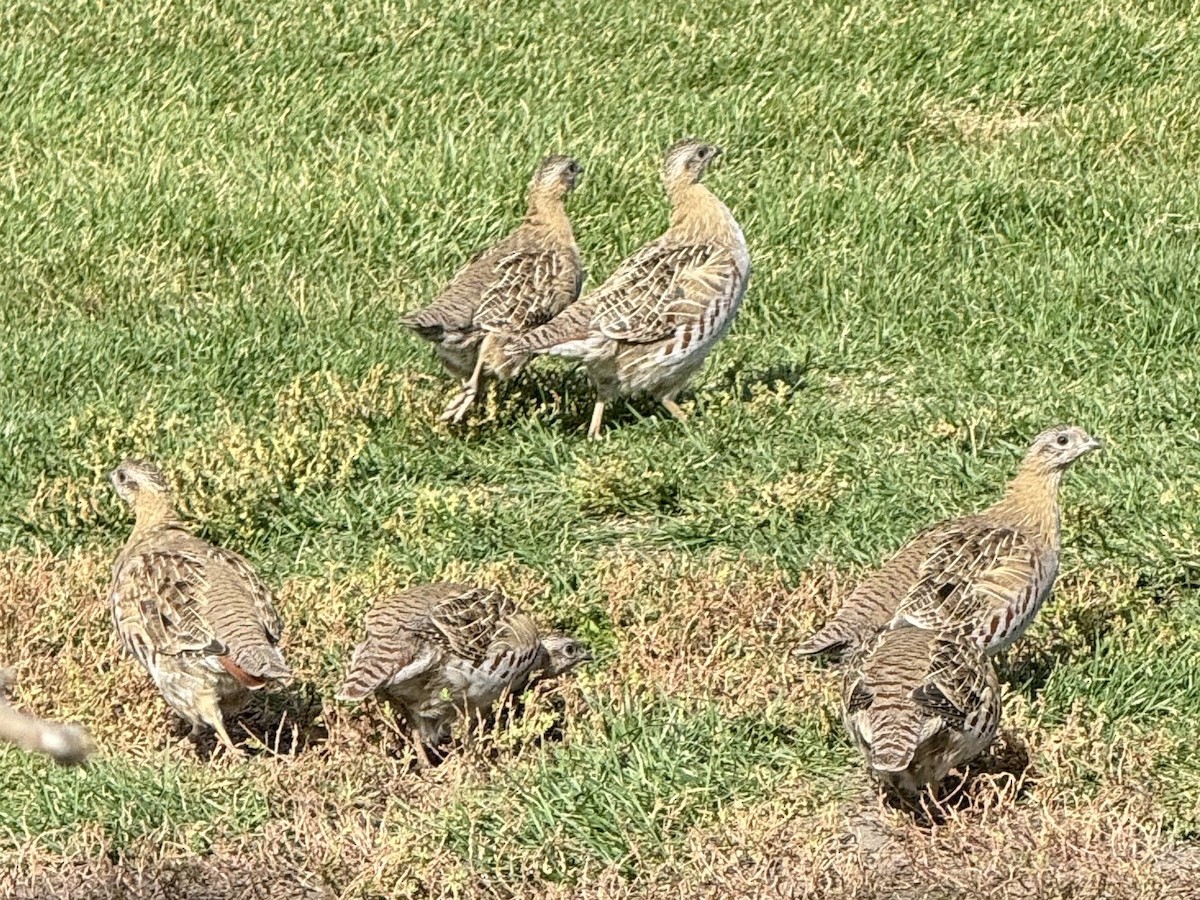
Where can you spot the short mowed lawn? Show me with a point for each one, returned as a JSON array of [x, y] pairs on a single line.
[[968, 222]]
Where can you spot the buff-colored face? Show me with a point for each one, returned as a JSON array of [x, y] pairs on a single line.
[[686, 162], [557, 176], [565, 654], [137, 478], [1058, 447]]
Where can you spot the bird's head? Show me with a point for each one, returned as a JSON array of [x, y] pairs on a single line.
[[556, 176], [564, 654], [685, 162], [141, 484], [1056, 448]]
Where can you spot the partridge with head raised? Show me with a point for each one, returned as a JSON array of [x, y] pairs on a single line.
[[649, 327], [440, 650], [197, 616], [514, 286], [917, 703], [986, 575]]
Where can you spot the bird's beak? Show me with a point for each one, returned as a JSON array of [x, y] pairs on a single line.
[[1094, 444]]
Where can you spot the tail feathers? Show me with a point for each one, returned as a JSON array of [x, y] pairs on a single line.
[[434, 323], [893, 744], [862, 614], [571, 325], [257, 667], [838, 639], [367, 673]]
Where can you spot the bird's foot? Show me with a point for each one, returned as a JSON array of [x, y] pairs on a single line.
[[456, 409]]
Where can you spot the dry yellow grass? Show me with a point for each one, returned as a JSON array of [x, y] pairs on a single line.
[[349, 816]]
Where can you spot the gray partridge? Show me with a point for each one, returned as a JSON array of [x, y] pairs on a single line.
[[919, 702], [507, 290], [197, 616], [439, 650], [649, 327], [986, 574]]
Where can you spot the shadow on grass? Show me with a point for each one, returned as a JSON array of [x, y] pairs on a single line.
[[1001, 776], [563, 399], [792, 376], [287, 723]]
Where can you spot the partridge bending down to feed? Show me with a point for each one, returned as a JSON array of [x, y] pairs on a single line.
[[439, 650], [509, 289], [986, 575], [919, 702], [196, 616], [651, 324]]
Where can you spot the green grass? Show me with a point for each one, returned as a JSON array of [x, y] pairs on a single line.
[[47, 807], [967, 223], [649, 771]]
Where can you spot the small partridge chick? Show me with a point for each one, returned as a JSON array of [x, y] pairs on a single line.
[[649, 327], [440, 650], [195, 615], [509, 289], [986, 575], [918, 703]]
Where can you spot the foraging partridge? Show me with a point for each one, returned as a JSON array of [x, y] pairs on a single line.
[[195, 615], [986, 575], [511, 288], [649, 327], [436, 650], [917, 703]]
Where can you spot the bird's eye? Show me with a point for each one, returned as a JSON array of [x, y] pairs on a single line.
[[572, 649], [1063, 440]]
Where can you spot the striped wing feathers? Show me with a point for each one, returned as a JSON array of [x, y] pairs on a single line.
[[156, 596], [187, 596], [978, 577], [419, 628], [661, 288], [261, 597], [529, 288], [511, 287]]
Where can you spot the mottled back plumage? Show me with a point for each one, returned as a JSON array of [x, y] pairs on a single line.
[[919, 702], [986, 574], [196, 616], [521, 282], [436, 650], [651, 324]]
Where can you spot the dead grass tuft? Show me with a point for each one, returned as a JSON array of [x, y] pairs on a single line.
[[312, 438], [971, 125]]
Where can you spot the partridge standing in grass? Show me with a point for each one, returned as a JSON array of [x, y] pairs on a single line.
[[986, 575], [651, 324], [438, 650], [511, 288], [196, 616], [918, 702]]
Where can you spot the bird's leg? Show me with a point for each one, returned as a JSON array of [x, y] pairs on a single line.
[[223, 736], [456, 409], [423, 759], [597, 417], [673, 408]]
